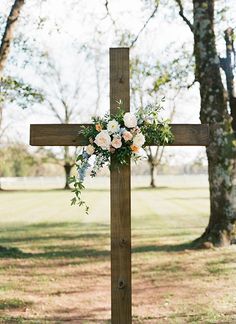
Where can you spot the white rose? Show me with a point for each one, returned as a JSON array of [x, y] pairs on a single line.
[[139, 140], [90, 149], [130, 120], [103, 140], [113, 126]]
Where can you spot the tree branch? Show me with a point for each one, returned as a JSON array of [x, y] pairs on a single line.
[[181, 13], [54, 110], [145, 24], [108, 14]]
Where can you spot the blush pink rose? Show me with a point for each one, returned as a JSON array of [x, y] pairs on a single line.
[[127, 136], [116, 142]]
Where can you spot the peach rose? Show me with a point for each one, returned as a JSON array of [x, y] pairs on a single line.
[[116, 142], [134, 148], [98, 127], [127, 136]]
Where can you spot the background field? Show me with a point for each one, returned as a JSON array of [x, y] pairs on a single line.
[[55, 260]]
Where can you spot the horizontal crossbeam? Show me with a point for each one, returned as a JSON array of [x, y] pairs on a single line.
[[68, 135]]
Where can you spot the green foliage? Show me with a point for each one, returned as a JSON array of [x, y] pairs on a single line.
[[16, 161], [129, 134], [13, 90], [158, 134]]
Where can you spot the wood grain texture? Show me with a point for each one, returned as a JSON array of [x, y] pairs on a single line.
[[57, 135], [67, 135], [121, 295]]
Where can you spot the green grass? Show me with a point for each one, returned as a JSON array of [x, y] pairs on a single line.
[[13, 303], [55, 260]]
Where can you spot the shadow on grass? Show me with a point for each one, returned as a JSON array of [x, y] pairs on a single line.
[[50, 320], [52, 241], [188, 198], [12, 253], [49, 233], [84, 253], [15, 253], [13, 303], [63, 237], [167, 188], [134, 188], [166, 247], [54, 227]]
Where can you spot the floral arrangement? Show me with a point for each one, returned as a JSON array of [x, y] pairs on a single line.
[[122, 135]]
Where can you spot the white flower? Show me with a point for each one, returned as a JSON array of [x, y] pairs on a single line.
[[139, 140], [90, 149], [103, 140], [113, 126], [130, 120], [116, 142]]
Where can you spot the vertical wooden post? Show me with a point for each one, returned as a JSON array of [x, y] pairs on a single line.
[[120, 200]]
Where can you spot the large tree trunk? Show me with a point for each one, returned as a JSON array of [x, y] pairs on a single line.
[[220, 230]]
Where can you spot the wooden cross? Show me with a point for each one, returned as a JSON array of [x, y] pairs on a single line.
[[67, 135]]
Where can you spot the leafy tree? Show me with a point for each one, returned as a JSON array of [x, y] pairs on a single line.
[[214, 111], [6, 40], [152, 80], [62, 99], [16, 161], [13, 89]]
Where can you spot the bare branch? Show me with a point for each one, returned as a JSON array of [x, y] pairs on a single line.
[[192, 84], [145, 24], [182, 15], [160, 156], [54, 110], [108, 13]]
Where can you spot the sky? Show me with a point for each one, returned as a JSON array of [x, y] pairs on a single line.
[[67, 25]]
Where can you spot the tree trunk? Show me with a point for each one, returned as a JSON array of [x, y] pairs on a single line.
[[220, 229], [228, 68], [227, 65], [6, 41], [67, 168], [8, 33], [152, 174]]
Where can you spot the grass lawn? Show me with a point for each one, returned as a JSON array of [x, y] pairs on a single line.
[[55, 267]]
